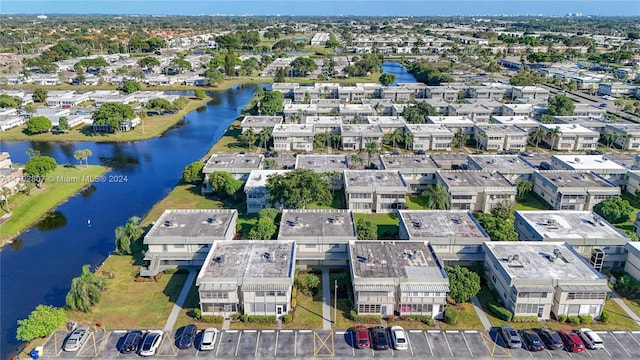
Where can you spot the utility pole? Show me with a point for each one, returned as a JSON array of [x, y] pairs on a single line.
[[335, 304]]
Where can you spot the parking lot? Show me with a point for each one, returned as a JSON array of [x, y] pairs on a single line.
[[292, 344]]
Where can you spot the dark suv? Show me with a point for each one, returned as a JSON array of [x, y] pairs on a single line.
[[131, 342], [185, 336], [379, 338], [550, 338]]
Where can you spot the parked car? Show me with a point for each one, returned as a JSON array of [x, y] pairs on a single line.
[[571, 341], [371, 166], [531, 341], [398, 338], [527, 153], [603, 105], [510, 336], [131, 342], [420, 152], [396, 153], [185, 336], [361, 336], [208, 339], [544, 166], [76, 339], [150, 343], [550, 338], [595, 152], [593, 340], [379, 338]]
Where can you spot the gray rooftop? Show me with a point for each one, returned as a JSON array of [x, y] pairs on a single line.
[[394, 259], [556, 261], [474, 178], [503, 129], [500, 162], [625, 159], [322, 163], [628, 128], [192, 223], [445, 160], [250, 259], [580, 179], [429, 224], [317, 223], [267, 120], [565, 225], [536, 158], [398, 162], [225, 162], [373, 178]]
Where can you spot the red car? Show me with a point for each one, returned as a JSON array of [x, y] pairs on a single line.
[[361, 335], [571, 341]]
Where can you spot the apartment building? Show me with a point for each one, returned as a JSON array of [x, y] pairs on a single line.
[[475, 112], [632, 265], [238, 165], [455, 235], [627, 136], [476, 190], [391, 277], [388, 124], [486, 92], [599, 242], [258, 123], [605, 168], [457, 124], [184, 237], [450, 161], [589, 110], [446, 93], [293, 137], [512, 167], [572, 190], [530, 93], [325, 163], [356, 136], [500, 137], [570, 137], [250, 277], [524, 122], [10, 177], [324, 124], [524, 110], [256, 191], [419, 171], [541, 279], [430, 137], [374, 191]]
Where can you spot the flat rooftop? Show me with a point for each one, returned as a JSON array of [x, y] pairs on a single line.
[[588, 162], [628, 128], [232, 161], [565, 224], [253, 120], [373, 178], [258, 178], [398, 162], [475, 178], [445, 160], [541, 261], [386, 120], [322, 163], [501, 129], [625, 159], [429, 224], [500, 162], [429, 129], [323, 120], [580, 179], [317, 223], [394, 259], [293, 128], [360, 129], [570, 129], [250, 259], [450, 120], [515, 120], [193, 223]]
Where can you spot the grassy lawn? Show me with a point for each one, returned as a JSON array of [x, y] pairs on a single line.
[[127, 304], [338, 202], [633, 304], [183, 196], [628, 225], [59, 186], [530, 201], [190, 303], [308, 312], [152, 126], [468, 319], [415, 202], [387, 224]]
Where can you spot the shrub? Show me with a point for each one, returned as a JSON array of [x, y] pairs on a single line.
[[562, 318], [500, 312], [523, 319], [170, 271], [236, 316], [573, 320], [158, 276], [262, 319], [585, 319], [294, 303], [451, 315], [197, 313], [294, 291], [391, 317], [604, 317], [245, 318], [144, 279], [288, 318], [212, 318], [425, 319]]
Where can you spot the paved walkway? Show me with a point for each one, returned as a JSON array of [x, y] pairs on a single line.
[[326, 300], [180, 301], [481, 314], [624, 307]]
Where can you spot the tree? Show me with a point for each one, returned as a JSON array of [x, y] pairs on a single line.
[[523, 187], [180, 65], [224, 184], [112, 115], [6, 192], [130, 87], [213, 76], [479, 139], [126, 234], [280, 75], [437, 197], [463, 283], [266, 226], [560, 105], [148, 62], [357, 159], [200, 94], [272, 103], [554, 136], [31, 153], [85, 290], [298, 188], [63, 124], [81, 155], [615, 210], [42, 322], [499, 223], [40, 95], [387, 79], [38, 167], [192, 173], [264, 136], [8, 101], [303, 65], [536, 136], [417, 113], [371, 148], [307, 283], [249, 138], [159, 104], [38, 124], [366, 230]]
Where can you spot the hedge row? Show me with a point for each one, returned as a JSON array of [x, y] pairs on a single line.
[[425, 319], [582, 319], [523, 319], [451, 315], [500, 312], [372, 319]]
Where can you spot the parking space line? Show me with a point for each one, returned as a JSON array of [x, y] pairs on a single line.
[[549, 352], [635, 332], [275, 349], [433, 331], [286, 331], [465, 341], [634, 339], [257, 343], [607, 351], [353, 344], [238, 344], [410, 347], [618, 332], [340, 332], [231, 331], [295, 343], [250, 331], [447, 340], [304, 331], [588, 352], [619, 343], [415, 331], [219, 342], [428, 343], [471, 331]]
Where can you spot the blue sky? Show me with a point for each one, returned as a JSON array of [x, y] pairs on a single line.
[[324, 7]]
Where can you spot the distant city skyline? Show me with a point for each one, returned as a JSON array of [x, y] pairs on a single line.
[[324, 7]]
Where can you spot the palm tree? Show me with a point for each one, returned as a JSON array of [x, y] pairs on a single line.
[[78, 156], [264, 136], [85, 290], [479, 138], [371, 148], [87, 153], [523, 187], [126, 233], [627, 137], [537, 136], [249, 138], [397, 136], [6, 192], [357, 159], [437, 197], [408, 140], [377, 107], [554, 136]]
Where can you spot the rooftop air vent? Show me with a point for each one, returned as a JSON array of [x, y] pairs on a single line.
[[218, 259], [266, 256]]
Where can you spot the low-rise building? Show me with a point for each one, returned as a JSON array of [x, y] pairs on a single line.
[[457, 124], [238, 165], [513, 167], [258, 123], [632, 265], [476, 190], [374, 191], [293, 137], [591, 123], [455, 235], [397, 277], [486, 92], [530, 93], [324, 124], [500, 137], [252, 277], [321, 236], [572, 190], [10, 177], [334, 164], [442, 92], [570, 137], [607, 169], [540, 279], [388, 124], [524, 110], [430, 137], [256, 191], [524, 122], [183, 237], [475, 112], [419, 171], [355, 137], [599, 242], [126, 125], [589, 110], [626, 136], [450, 161]]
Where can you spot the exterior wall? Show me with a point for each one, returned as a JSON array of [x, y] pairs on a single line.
[[219, 302], [375, 302], [266, 302], [422, 303], [632, 266], [578, 303]]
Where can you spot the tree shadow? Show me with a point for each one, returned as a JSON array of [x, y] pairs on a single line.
[[88, 131], [174, 285]]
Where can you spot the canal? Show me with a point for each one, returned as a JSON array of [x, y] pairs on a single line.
[[401, 72], [39, 266]]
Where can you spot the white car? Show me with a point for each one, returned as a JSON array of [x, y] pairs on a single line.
[[596, 340], [208, 339], [150, 343], [76, 339], [399, 338]]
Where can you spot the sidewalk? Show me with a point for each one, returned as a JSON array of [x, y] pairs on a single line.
[[180, 301], [326, 300], [624, 307], [481, 314]]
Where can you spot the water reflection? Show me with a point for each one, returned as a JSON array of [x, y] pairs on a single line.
[[16, 244], [52, 221], [87, 191]]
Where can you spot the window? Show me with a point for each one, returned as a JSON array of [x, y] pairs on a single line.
[[369, 308], [527, 308], [586, 296], [414, 308], [214, 295]]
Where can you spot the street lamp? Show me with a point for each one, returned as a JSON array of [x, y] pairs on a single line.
[[335, 303]]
